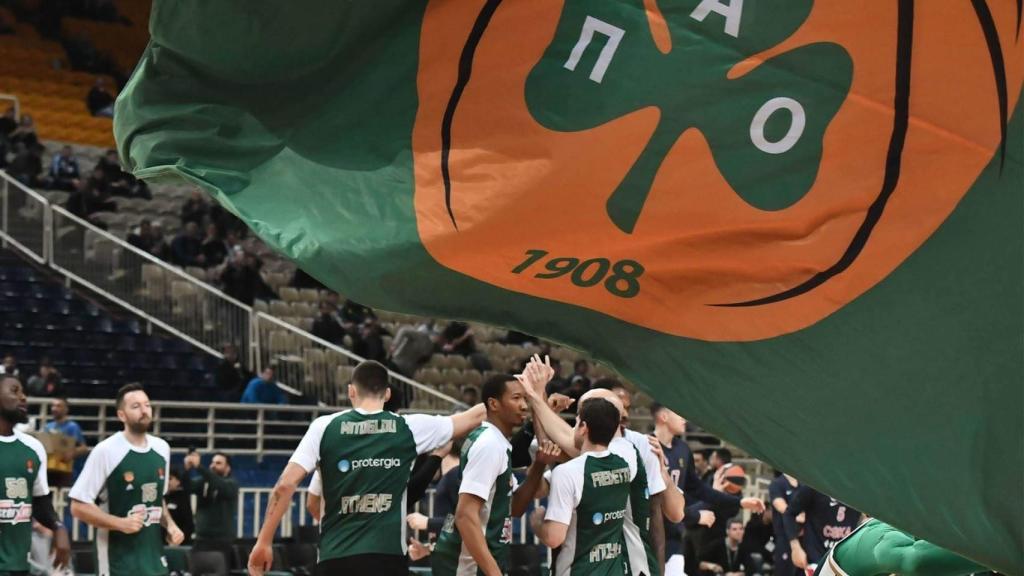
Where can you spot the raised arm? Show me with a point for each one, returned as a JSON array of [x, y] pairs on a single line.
[[549, 424], [465, 422]]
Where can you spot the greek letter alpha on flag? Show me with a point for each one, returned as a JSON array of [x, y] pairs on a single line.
[[798, 223]]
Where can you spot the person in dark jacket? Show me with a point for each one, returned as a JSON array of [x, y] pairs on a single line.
[[179, 504], [216, 492]]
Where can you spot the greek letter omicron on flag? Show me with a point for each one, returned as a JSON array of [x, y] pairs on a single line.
[[783, 220]]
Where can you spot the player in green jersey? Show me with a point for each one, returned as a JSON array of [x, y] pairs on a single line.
[[121, 492], [24, 492], [364, 456], [477, 538], [648, 494], [589, 499], [878, 549]]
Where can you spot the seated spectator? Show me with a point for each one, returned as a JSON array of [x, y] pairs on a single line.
[[187, 247], [369, 342], [242, 281], [117, 181], [100, 101], [161, 248], [229, 374], [354, 315], [263, 390], [726, 557], [195, 208], [581, 369], [410, 349], [143, 238], [227, 223], [470, 395], [214, 250], [27, 164], [88, 200], [7, 124], [326, 325], [10, 365], [25, 133], [64, 174], [46, 382], [457, 338]]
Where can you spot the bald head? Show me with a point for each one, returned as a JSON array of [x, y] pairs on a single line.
[[605, 394]]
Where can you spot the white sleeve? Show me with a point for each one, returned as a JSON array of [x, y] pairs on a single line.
[[429, 432], [307, 454], [316, 487], [655, 483], [94, 475], [164, 449], [41, 487], [565, 493], [483, 466]]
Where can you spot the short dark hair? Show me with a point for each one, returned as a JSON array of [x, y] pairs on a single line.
[[225, 455], [601, 418], [63, 399], [608, 384], [655, 408], [125, 390], [494, 387], [724, 454], [177, 472], [371, 378], [736, 520]]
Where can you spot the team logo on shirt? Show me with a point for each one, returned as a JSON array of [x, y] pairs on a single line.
[[12, 512], [160, 473], [129, 476], [344, 465], [597, 519], [600, 518], [29, 465]]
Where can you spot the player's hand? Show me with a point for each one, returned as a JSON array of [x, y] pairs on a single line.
[[707, 518], [131, 523], [755, 505], [174, 535], [61, 549], [418, 550], [659, 452], [548, 452], [560, 402], [416, 521], [261, 559], [537, 518], [798, 556]]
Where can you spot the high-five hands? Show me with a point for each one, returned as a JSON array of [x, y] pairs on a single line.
[[536, 375]]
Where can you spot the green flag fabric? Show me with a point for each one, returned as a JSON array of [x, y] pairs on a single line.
[[799, 224]]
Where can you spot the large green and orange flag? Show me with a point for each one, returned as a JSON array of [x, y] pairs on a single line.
[[799, 223]]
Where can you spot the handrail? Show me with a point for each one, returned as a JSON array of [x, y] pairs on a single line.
[[352, 355], [48, 258], [181, 274]]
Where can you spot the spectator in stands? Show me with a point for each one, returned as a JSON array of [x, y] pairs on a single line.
[[117, 181], [264, 390], [725, 556], [216, 493], [242, 281], [27, 164], [470, 395], [179, 503], [187, 247], [213, 250], [227, 223], [326, 325], [88, 200], [195, 208], [719, 458], [10, 365], [229, 374], [64, 172], [143, 238], [701, 466], [46, 382], [369, 342], [757, 535], [8, 124], [100, 101], [581, 369], [25, 133], [60, 463], [410, 349], [354, 315], [457, 338], [161, 248]]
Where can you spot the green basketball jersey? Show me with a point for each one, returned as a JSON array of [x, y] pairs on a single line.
[[591, 493], [123, 480], [364, 460], [648, 482], [487, 474], [23, 475]]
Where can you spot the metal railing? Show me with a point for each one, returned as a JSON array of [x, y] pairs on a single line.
[[177, 302]]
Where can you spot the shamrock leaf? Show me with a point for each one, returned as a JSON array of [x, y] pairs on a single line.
[[765, 128]]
